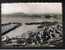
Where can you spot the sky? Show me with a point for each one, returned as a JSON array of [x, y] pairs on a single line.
[[31, 8]]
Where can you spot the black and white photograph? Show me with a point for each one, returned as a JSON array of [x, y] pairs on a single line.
[[31, 25]]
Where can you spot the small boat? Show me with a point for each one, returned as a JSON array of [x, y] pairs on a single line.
[[5, 28]]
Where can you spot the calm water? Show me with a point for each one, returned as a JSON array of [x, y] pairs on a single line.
[[23, 28]]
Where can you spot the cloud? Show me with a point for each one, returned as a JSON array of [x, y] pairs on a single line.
[[32, 8]]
